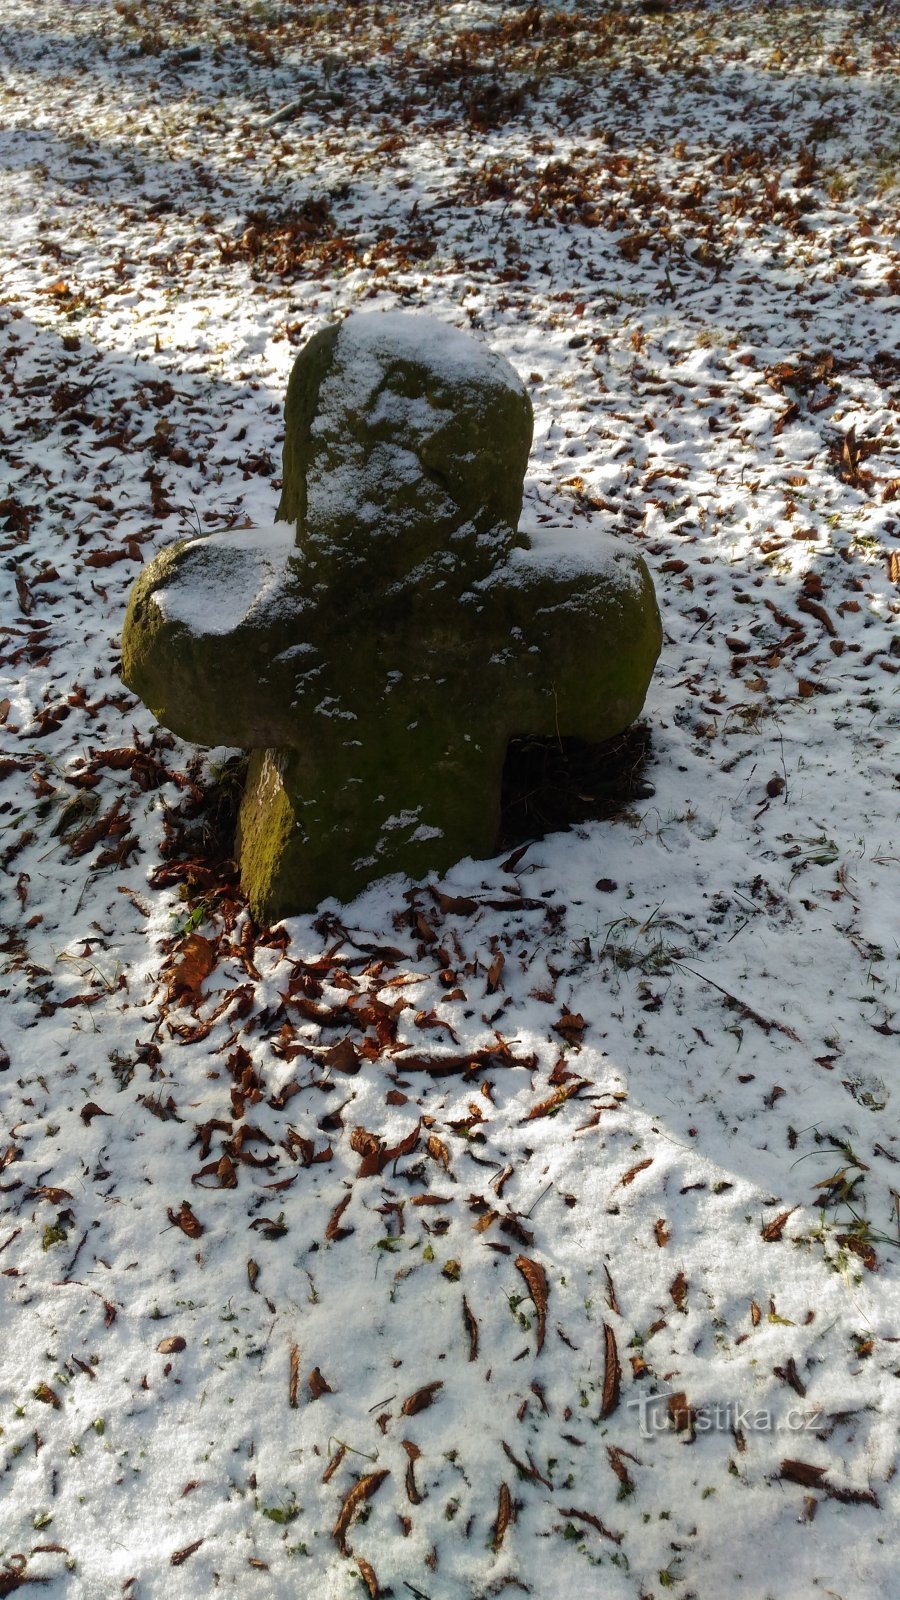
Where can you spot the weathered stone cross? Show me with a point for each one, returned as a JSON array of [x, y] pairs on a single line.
[[377, 649]]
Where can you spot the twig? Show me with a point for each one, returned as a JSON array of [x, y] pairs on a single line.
[[766, 1023], [539, 1199], [71, 1265]]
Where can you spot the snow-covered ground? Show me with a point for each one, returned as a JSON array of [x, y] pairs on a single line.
[[338, 1257]]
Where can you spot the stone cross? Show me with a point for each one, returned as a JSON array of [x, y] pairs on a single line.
[[377, 649]]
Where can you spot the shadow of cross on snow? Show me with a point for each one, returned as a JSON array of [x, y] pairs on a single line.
[[379, 646]]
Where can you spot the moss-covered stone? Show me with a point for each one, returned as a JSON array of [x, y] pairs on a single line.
[[380, 646]]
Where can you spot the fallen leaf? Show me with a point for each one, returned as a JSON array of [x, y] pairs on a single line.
[[678, 1290], [334, 1229], [536, 1279], [362, 1490], [455, 905], [632, 1172], [772, 1231], [680, 1413], [504, 1516], [196, 961], [861, 1248], [92, 1110], [438, 1151], [571, 1026], [421, 1399], [471, 1329], [185, 1220], [412, 1489], [182, 1555], [592, 1521], [612, 1373], [367, 1573]]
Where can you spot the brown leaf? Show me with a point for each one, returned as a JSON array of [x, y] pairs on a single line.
[[412, 1490], [46, 1191], [421, 1399], [617, 1462], [47, 1395], [632, 1172], [253, 1274], [772, 1231], [455, 905], [375, 1154], [91, 1109], [612, 1373], [571, 1025], [272, 1227], [755, 1314], [680, 1412], [438, 1151], [182, 1555], [185, 1220], [549, 1107], [678, 1290], [196, 960], [172, 1346], [334, 1229], [803, 1472], [789, 1374], [367, 1573], [471, 1329], [787, 416], [494, 971], [317, 1385], [811, 1477], [424, 929], [334, 1463], [107, 557], [536, 1280], [504, 1515], [661, 1229], [593, 1522], [341, 1057], [861, 1248], [294, 1376], [817, 611], [362, 1490], [528, 1469], [223, 1170]]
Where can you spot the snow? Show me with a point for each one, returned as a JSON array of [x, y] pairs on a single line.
[[226, 577], [367, 341], [730, 942], [364, 474]]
